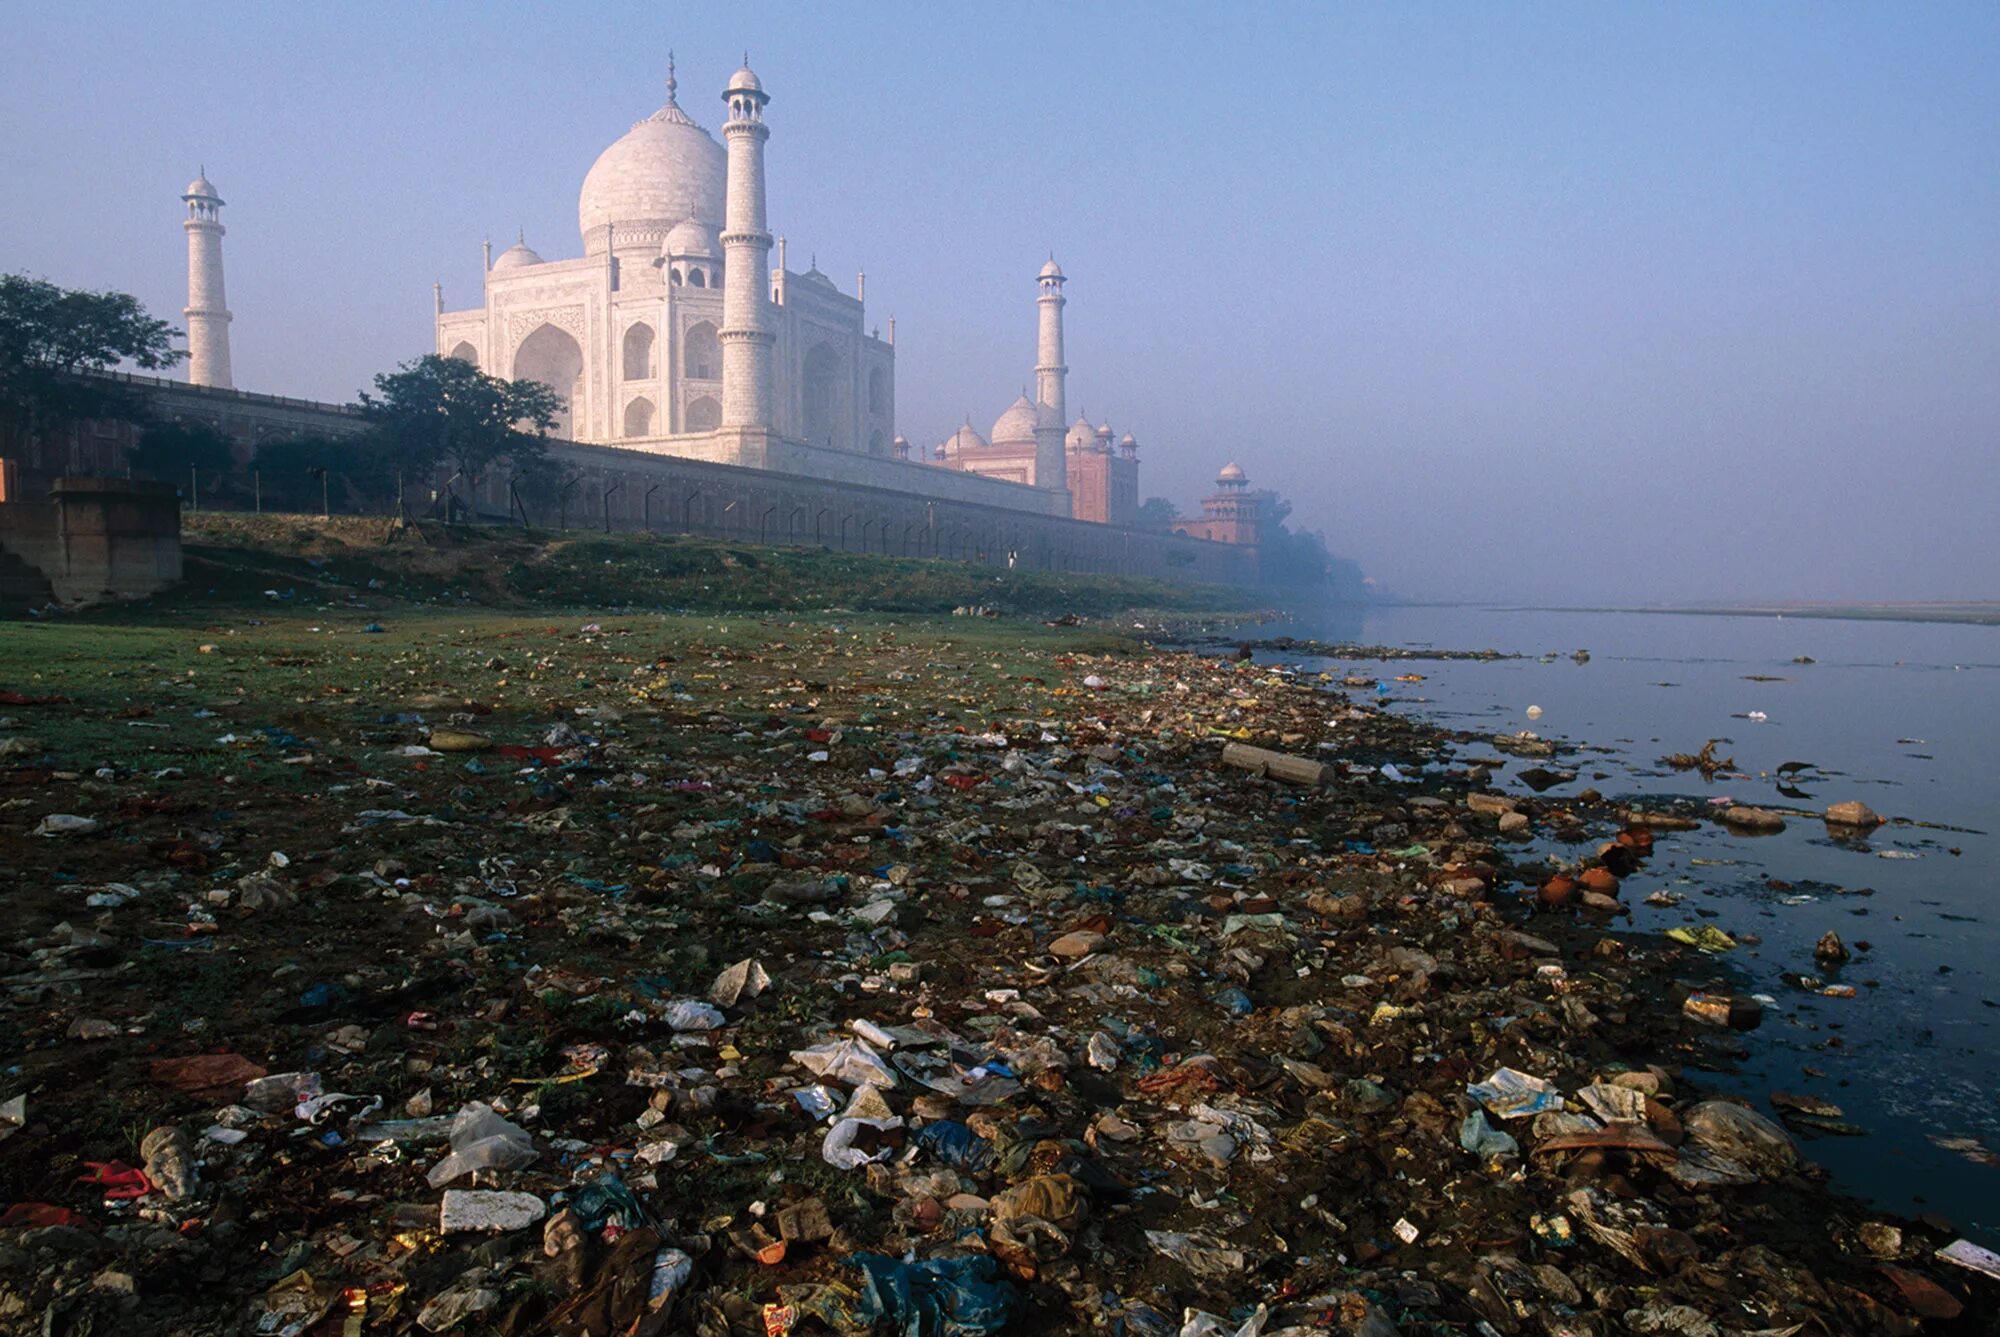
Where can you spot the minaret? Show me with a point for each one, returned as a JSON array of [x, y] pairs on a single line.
[[207, 310], [746, 250], [1051, 463]]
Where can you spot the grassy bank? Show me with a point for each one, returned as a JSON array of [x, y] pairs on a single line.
[[236, 559]]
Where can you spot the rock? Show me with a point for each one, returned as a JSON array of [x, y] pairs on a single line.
[[1752, 819], [1510, 822], [1880, 1239], [169, 1162], [1492, 805], [1072, 946], [1853, 813], [1661, 821], [1830, 950], [488, 1211], [453, 740]]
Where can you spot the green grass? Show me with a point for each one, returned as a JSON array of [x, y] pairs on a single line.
[[232, 560]]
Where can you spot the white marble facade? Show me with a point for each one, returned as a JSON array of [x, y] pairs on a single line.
[[631, 333]]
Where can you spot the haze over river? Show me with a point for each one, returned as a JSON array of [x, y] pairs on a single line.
[[1902, 716]]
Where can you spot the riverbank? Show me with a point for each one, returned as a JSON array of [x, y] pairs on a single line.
[[1039, 982]]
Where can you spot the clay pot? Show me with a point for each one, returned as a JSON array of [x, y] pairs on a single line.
[[1558, 893], [1600, 880], [1638, 838]]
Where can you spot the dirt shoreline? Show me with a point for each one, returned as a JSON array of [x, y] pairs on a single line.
[[1240, 1015]]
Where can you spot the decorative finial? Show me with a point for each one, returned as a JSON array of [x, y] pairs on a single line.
[[521, 235], [673, 84], [746, 60]]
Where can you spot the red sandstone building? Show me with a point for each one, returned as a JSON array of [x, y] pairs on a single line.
[[1231, 514], [1103, 480]]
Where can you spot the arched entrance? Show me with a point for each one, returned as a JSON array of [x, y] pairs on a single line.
[[553, 357], [822, 395]]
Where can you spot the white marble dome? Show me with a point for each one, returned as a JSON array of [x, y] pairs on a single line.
[[688, 237], [1017, 425], [1081, 435], [663, 171], [965, 438], [517, 256]]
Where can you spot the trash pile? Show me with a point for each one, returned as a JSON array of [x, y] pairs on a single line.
[[864, 982]]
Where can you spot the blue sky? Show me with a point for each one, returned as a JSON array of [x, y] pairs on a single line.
[[1558, 301]]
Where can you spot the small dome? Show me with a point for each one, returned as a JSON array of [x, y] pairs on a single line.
[[517, 256], [1232, 473], [201, 188], [1127, 440], [1104, 431], [744, 80], [1017, 425], [901, 440], [1052, 270], [1081, 435], [687, 237], [964, 439]]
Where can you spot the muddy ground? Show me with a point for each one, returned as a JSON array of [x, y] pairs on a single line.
[[426, 857]]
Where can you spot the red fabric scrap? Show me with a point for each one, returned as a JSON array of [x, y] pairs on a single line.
[[118, 1179]]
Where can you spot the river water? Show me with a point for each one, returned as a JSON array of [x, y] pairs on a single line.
[[1904, 717]]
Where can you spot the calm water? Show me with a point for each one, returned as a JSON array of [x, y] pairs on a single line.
[[1904, 717]]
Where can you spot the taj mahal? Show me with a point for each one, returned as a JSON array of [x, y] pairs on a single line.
[[673, 333], [674, 338], [671, 324]]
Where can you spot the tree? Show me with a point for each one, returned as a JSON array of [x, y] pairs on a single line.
[[546, 479], [167, 450], [438, 411], [1157, 513], [52, 339], [292, 470]]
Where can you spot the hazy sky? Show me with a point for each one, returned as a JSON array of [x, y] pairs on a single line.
[[1545, 301]]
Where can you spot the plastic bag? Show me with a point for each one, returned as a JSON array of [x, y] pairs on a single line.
[[482, 1140], [854, 1062], [957, 1146], [839, 1151], [938, 1297]]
